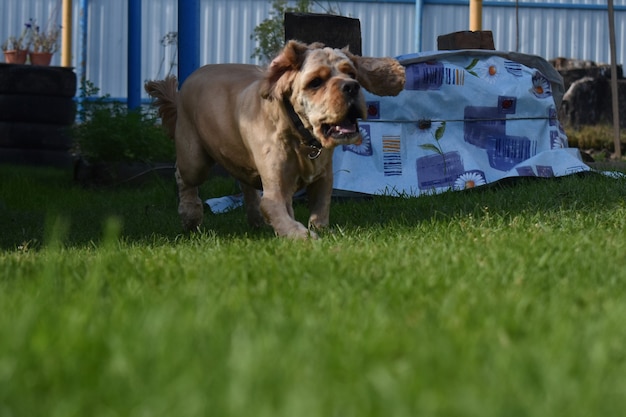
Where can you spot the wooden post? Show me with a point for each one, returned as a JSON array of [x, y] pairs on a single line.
[[66, 45], [476, 15], [615, 99]]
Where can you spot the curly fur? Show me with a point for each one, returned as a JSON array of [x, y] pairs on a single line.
[[239, 116]]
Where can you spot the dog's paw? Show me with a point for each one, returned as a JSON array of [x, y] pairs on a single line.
[[298, 232], [318, 222], [191, 215], [190, 225], [255, 218], [313, 235]]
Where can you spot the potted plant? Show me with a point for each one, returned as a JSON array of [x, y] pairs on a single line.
[[16, 48], [44, 42]]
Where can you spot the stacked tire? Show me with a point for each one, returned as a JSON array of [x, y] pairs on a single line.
[[37, 109]]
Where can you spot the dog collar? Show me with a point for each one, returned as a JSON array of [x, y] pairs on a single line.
[[309, 140]]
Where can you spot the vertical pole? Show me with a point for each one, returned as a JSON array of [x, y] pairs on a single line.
[[82, 54], [188, 38], [476, 15], [83, 23], [516, 25], [614, 92], [66, 45], [419, 6], [134, 54]]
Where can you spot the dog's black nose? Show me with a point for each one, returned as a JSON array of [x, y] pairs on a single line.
[[351, 88]]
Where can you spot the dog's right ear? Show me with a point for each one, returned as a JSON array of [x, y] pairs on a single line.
[[380, 76], [282, 70]]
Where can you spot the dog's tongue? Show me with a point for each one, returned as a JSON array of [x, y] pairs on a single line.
[[345, 127]]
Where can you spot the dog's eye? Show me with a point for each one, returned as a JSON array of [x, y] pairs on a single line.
[[352, 75], [315, 83]]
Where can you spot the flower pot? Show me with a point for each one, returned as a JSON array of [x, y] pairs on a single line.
[[15, 57], [40, 58]]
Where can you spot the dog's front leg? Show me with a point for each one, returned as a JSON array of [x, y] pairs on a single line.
[[319, 194], [278, 212]]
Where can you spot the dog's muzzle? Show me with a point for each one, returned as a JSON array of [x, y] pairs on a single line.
[[342, 130], [346, 130]]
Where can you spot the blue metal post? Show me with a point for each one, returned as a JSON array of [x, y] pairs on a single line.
[[82, 64], [134, 54], [188, 38], [419, 6]]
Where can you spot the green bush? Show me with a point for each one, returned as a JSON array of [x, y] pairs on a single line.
[[270, 32], [109, 132], [598, 137]]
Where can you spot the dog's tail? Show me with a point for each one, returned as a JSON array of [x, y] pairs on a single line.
[[166, 94]]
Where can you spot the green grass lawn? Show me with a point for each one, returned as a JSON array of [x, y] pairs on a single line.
[[506, 301]]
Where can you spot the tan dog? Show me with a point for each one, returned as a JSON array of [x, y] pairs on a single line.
[[273, 130]]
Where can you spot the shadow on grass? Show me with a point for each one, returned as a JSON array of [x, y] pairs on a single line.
[[584, 192], [34, 200]]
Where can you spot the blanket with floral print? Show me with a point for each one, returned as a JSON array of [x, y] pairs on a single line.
[[465, 119]]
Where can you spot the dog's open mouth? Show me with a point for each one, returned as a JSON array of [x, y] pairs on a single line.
[[346, 130]]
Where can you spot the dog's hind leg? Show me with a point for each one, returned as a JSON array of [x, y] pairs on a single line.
[[319, 194], [192, 169], [190, 207], [252, 200]]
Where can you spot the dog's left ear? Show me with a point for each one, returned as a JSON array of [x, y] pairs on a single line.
[[380, 76], [283, 69]]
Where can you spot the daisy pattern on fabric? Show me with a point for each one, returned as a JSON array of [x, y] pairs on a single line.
[[469, 179], [489, 70], [436, 130], [541, 86], [426, 129], [365, 147]]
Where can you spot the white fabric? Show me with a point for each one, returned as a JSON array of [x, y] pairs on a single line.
[[464, 119]]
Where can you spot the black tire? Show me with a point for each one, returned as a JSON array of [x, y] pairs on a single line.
[[34, 136], [37, 109], [36, 80], [57, 159]]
